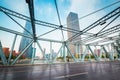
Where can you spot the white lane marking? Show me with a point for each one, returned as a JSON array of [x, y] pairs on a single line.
[[78, 74]]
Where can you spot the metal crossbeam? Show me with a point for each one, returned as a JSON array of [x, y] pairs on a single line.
[[27, 36], [96, 58], [12, 48], [107, 39], [57, 53], [117, 49], [103, 33], [2, 55], [64, 47], [17, 23], [42, 51], [71, 54], [15, 32], [96, 23], [110, 57], [84, 53], [43, 23], [32, 17], [15, 60]]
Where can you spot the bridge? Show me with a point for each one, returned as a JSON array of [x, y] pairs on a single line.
[[99, 58]]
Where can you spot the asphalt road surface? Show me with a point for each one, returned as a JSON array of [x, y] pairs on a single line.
[[69, 71]]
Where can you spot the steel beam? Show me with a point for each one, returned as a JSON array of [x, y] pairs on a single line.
[[98, 22], [109, 23], [14, 61], [58, 53], [42, 51], [70, 52], [103, 33], [64, 53], [2, 55], [10, 55], [15, 32], [47, 32], [50, 40], [33, 53], [18, 23], [117, 48], [106, 52], [46, 24], [101, 52], [110, 53], [27, 36], [32, 17], [84, 54], [96, 58], [51, 52]]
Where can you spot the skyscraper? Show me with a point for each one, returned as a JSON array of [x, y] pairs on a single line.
[[73, 23], [25, 41]]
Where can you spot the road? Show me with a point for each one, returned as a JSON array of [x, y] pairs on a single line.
[[61, 71]]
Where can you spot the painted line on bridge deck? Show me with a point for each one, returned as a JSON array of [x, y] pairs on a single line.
[[72, 75]]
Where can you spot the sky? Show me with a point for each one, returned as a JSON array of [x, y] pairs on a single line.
[[45, 11]]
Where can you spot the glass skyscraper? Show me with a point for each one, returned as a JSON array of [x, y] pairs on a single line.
[[73, 23], [25, 41]]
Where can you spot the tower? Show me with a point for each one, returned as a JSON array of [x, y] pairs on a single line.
[[25, 41], [73, 23]]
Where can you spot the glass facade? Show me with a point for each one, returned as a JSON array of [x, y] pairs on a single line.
[[73, 23], [25, 41]]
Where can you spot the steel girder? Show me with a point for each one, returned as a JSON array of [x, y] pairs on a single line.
[[15, 32], [21, 16], [10, 12], [15, 60], [110, 57], [113, 39], [117, 47], [12, 48], [69, 51], [96, 57], [32, 17], [96, 23], [103, 34], [46, 24], [27, 36], [2, 55], [42, 51]]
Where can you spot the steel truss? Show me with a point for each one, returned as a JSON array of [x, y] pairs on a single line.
[[43, 23], [103, 34], [101, 21], [64, 47]]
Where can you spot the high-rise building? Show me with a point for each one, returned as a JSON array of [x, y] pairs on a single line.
[[73, 23], [25, 41]]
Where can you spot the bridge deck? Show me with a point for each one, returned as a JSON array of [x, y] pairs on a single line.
[[68, 71]]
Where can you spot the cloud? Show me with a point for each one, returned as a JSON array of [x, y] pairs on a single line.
[[16, 5], [82, 6], [45, 12]]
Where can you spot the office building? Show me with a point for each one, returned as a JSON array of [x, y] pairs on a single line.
[[73, 23], [25, 41]]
